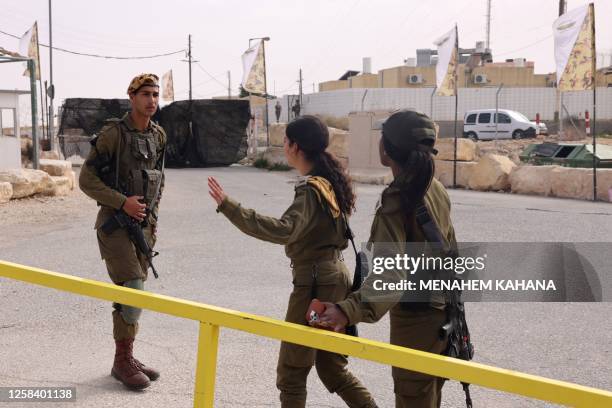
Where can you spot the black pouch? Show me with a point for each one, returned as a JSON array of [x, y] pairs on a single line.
[[144, 147], [151, 180], [135, 183]]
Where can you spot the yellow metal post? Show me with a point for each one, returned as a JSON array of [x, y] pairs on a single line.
[[206, 370]]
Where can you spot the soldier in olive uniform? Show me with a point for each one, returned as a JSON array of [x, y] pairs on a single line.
[[406, 146], [313, 232], [124, 172]]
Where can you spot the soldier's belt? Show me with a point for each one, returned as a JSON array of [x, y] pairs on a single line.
[[330, 256]]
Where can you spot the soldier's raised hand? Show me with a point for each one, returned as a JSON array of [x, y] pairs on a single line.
[[134, 208], [216, 191]]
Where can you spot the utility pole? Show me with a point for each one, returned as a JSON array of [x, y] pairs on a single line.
[[562, 7], [488, 43], [300, 88], [229, 84], [189, 57], [51, 89], [189, 60]]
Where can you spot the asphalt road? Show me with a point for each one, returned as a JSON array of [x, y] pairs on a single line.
[[50, 338]]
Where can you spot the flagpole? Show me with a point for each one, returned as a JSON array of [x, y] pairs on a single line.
[[42, 109], [263, 49], [592, 10], [457, 59], [594, 142], [51, 91], [32, 68], [42, 102]]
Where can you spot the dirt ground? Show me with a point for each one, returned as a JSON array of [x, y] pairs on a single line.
[[44, 209]]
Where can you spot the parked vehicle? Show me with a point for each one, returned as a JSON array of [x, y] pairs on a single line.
[[542, 129], [482, 124]]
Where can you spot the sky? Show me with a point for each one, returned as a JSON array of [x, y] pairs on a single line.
[[323, 37]]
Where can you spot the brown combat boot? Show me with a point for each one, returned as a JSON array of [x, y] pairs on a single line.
[[125, 368], [150, 372]]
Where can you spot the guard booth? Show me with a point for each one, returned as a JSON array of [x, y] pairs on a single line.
[[364, 140], [567, 154], [10, 141]]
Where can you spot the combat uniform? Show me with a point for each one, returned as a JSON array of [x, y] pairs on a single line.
[[313, 233], [409, 328], [131, 161]]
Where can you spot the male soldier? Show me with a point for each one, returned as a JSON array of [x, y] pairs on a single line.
[[296, 108], [277, 110], [124, 172]]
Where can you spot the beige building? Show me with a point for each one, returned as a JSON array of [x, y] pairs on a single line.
[[516, 73], [604, 77]]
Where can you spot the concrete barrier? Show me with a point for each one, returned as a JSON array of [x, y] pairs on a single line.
[[532, 180], [466, 149], [6, 191], [491, 173], [444, 172]]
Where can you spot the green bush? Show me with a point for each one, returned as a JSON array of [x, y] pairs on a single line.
[[279, 167], [261, 163]]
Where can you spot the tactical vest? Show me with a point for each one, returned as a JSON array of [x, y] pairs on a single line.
[[138, 161]]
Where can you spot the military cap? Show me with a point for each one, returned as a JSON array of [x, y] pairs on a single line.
[[405, 131], [143, 80]]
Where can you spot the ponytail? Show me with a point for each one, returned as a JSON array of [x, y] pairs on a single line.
[[415, 178], [328, 167]]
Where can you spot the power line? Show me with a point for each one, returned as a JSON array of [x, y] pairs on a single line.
[[525, 47], [212, 77], [100, 56], [201, 83]]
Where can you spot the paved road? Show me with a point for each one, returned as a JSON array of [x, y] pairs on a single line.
[[50, 338]]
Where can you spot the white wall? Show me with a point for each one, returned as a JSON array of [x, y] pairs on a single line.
[[528, 101]]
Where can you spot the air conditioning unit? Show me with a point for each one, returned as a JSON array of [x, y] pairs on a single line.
[[480, 79], [415, 79]]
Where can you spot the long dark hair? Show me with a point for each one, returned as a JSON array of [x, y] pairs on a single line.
[[417, 173], [312, 137]]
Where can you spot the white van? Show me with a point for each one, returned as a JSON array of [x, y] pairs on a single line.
[[481, 125]]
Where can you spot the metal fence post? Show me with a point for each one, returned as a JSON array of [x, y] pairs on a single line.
[[204, 396]]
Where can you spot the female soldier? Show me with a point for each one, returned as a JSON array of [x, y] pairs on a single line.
[[406, 146], [313, 232]]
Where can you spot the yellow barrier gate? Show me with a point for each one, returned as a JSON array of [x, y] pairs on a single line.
[[211, 318]]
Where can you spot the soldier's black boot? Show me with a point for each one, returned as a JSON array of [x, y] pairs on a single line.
[[150, 372], [125, 368]]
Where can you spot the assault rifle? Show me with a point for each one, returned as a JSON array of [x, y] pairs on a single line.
[[134, 229]]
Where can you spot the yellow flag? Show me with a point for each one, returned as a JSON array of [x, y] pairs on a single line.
[[446, 69], [253, 65], [167, 86], [575, 49], [28, 45]]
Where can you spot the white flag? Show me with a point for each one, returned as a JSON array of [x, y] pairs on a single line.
[[253, 66], [167, 86], [28, 45], [446, 69], [575, 49]]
